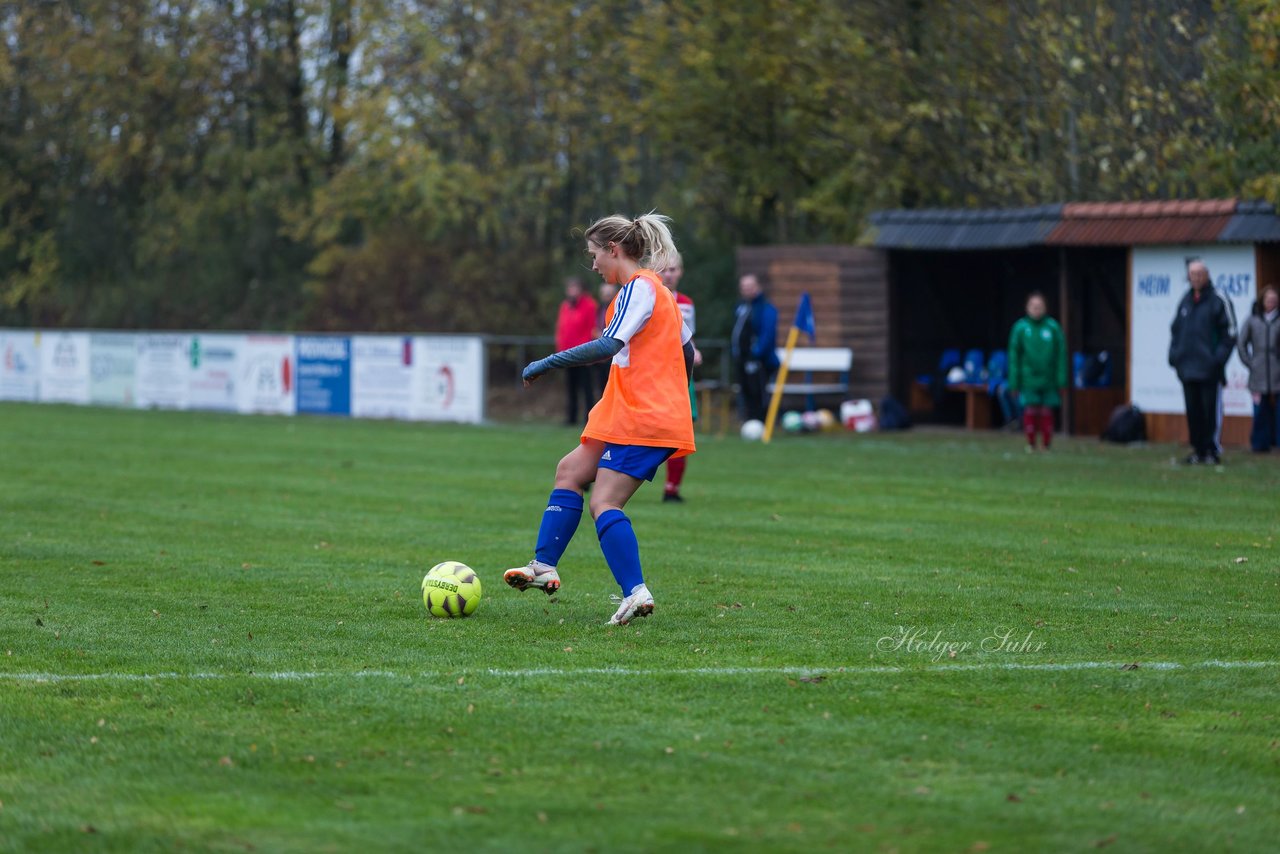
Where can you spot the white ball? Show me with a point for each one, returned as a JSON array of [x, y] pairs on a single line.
[[792, 421], [753, 430]]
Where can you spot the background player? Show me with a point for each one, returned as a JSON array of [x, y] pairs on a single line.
[[671, 276], [1037, 369]]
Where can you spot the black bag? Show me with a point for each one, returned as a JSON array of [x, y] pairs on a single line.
[[893, 415], [1125, 425]]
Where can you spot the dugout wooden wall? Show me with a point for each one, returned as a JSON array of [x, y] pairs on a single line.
[[849, 286]]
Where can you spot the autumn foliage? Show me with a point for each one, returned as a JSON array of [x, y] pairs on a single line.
[[395, 164]]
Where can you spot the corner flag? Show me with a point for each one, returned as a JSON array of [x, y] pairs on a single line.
[[803, 323], [804, 318]]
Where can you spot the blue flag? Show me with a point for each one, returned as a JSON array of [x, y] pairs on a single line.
[[804, 318]]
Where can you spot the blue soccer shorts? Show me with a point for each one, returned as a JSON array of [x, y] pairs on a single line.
[[638, 461]]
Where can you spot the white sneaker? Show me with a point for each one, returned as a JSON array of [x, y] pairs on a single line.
[[638, 604], [534, 574]]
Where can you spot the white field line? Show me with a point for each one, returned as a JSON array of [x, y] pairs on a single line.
[[312, 675]]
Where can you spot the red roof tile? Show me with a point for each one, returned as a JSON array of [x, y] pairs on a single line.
[[1141, 223]]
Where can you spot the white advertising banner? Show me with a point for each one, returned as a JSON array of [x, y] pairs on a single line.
[[161, 371], [214, 372], [419, 378], [19, 365], [266, 375], [64, 367], [448, 379], [112, 357], [382, 380], [1159, 283]]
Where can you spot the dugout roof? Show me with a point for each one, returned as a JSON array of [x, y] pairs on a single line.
[[1078, 224]]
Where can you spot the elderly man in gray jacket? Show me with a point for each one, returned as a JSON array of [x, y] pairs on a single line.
[[1202, 338], [1260, 352]]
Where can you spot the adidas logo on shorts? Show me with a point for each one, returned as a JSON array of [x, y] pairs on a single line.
[[607, 457]]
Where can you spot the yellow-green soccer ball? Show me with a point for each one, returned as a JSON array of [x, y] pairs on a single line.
[[451, 589]]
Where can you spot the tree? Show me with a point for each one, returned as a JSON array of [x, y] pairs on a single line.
[[423, 164]]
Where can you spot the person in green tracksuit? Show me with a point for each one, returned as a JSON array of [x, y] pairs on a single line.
[[1037, 369]]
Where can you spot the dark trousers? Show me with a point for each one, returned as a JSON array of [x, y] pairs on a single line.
[[751, 385], [581, 387], [1266, 423], [1010, 405], [1201, 398], [600, 370]]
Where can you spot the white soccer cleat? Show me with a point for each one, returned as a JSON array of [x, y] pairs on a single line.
[[534, 574], [638, 604]]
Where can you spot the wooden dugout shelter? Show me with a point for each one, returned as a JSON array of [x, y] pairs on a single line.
[[1112, 273]]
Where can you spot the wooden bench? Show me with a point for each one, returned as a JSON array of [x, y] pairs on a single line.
[[977, 404], [715, 405], [806, 361]]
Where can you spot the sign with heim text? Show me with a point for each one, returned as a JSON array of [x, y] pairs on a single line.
[[1159, 282]]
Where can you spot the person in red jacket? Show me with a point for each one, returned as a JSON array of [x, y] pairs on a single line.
[[577, 325]]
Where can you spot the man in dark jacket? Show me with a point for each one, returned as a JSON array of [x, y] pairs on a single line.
[[1201, 342], [754, 347]]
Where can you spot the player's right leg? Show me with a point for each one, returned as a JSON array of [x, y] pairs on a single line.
[[675, 475], [1030, 416], [535, 574], [615, 485], [576, 470]]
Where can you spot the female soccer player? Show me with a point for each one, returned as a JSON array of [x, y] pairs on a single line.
[[642, 419]]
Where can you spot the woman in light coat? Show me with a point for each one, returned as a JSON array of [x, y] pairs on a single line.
[[1260, 352]]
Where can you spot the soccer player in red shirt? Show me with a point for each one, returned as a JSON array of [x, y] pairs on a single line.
[[671, 276]]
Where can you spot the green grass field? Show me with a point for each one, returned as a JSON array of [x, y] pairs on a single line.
[[212, 638]]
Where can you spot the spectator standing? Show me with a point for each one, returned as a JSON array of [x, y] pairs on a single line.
[[1200, 343], [1260, 351], [576, 325], [754, 347], [1037, 369]]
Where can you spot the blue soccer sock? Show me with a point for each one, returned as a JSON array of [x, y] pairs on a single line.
[[559, 521], [621, 551]]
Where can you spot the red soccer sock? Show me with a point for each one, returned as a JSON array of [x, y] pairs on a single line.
[[1029, 424], [1046, 425], [675, 474]]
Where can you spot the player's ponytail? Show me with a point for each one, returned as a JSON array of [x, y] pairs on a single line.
[[645, 239], [659, 247]]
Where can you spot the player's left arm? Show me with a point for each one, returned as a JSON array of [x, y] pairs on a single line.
[[598, 350], [690, 320], [634, 308], [691, 354]]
